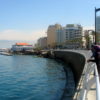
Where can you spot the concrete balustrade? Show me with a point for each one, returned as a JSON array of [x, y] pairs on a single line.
[[74, 59]]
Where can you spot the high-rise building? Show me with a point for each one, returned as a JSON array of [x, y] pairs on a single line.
[[73, 35], [52, 35], [73, 31]]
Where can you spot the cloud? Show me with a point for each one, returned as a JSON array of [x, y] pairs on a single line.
[[21, 35]]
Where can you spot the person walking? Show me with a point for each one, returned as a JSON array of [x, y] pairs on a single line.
[[96, 55]]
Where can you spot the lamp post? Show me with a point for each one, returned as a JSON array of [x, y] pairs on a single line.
[[96, 10]]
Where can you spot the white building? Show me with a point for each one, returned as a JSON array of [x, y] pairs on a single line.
[[73, 31], [18, 47], [73, 35]]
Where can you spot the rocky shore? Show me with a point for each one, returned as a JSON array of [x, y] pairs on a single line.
[[42, 53]]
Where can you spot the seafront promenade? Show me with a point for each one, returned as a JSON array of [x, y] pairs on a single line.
[[78, 65], [88, 85]]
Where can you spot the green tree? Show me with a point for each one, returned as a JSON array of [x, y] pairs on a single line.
[[87, 38]]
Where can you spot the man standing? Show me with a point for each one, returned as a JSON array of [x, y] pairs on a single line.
[[96, 54]]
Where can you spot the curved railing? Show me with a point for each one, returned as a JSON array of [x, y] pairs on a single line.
[[89, 81]]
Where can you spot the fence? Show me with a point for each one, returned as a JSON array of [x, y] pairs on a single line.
[[89, 78]]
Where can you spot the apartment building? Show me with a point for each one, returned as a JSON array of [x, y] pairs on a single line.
[[52, 34], [69, 36], [73, 35]]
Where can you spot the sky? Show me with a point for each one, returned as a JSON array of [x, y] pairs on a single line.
[[29, 19]]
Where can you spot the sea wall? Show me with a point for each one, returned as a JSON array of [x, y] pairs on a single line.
[[76, 60]]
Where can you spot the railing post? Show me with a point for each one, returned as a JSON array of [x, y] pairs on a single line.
[[88, 82], [97, 84]]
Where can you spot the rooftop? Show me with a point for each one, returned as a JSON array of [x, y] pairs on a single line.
[[22, 44]]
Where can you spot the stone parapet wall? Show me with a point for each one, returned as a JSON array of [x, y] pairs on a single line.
[[75, 60]]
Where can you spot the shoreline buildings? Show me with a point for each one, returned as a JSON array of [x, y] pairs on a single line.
[[72, 36], [69, 36], [42, 42], [22, 47], [52, 35]]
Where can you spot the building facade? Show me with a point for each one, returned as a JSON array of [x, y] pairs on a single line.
[[69, 36], [73, 35], [52, 35], [20, 47], [42, 42], [60, 36]]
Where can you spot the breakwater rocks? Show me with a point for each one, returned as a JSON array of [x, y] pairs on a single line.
[[6, 52], [20, 52], [40, 53]]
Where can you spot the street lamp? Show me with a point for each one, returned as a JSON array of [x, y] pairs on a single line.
[[96, 10]]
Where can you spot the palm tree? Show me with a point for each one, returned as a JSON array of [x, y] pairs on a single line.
[[87, 38], [93, 34]]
